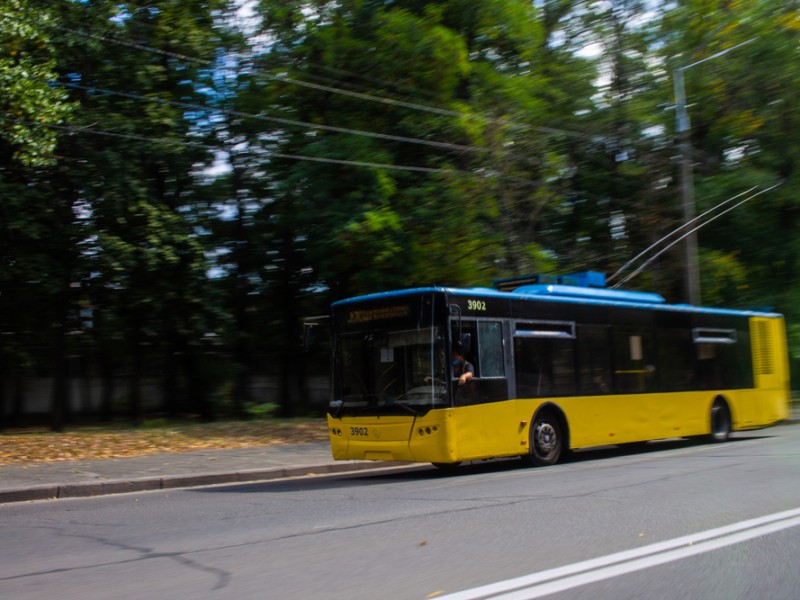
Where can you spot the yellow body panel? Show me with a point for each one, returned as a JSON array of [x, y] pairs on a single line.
[[771, 366], [502, 428]]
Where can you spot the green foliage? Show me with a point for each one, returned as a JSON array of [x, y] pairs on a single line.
[[724, 279], [367, 146], [28, 104], [268, 410]]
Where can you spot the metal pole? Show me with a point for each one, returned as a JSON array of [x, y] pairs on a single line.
[[687, 180], [687, 188]]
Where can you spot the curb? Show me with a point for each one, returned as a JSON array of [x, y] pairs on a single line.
[[145, 484]]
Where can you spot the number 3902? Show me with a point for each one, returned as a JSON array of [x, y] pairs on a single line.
[[476, 305], [359, 431]]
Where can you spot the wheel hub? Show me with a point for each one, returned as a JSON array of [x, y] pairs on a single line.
[[545, 437]]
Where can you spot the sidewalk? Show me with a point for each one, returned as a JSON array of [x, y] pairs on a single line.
[[80, 478]]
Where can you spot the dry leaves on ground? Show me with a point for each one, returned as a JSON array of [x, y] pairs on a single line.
[[87, 443]]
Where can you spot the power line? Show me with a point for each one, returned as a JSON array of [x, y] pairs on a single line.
[[301, 157], [112, 134], [340, 71], [422, 107], [337, 161], [134, 45], [193, 106], [290, 122], [335, 90], [278, 120]]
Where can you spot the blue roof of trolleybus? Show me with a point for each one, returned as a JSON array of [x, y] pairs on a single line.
[[564, 294]]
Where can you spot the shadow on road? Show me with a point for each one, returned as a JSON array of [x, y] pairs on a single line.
[[426, 471]]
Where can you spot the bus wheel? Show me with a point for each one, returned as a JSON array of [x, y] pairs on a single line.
[[547, 440], [720, 421]]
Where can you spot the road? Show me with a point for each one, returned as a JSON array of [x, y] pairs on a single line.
[[608, 524]]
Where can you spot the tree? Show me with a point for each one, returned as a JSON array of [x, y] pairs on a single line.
[[28, 104], [409, 183], [743, 135], [121, 240]]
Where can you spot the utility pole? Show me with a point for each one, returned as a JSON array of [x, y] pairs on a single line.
[[687, 187], [683, 127]]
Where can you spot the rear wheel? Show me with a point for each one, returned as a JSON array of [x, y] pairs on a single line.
[[547, 440], [720, 422]]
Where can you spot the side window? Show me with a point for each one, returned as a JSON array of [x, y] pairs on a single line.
[[469, 329], [490, 349], [486, 353], [675, 360], [594, 359], [544, 360], [723, 358], [634, 360]]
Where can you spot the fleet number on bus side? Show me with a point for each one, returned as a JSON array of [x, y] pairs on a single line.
[[476, 305]]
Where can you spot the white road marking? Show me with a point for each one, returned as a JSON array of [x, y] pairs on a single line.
[[567, 577]]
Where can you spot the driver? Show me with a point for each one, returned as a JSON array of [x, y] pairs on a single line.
[[462, 368]]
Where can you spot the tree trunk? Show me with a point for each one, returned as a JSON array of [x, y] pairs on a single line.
[[170, 388], [196, 384], [59, 411], [4, 380], [107, 395], [135, 382]]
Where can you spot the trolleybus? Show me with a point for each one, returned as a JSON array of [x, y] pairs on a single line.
[[558, 364]]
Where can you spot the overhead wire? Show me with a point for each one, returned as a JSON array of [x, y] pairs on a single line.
[[342, 91], [279, 120], [113, 134], [333, 89], [373, 80], [422, 107], [354, 94], [301, 157]]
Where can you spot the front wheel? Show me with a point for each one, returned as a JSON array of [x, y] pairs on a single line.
[[547, 440], [720, 422]]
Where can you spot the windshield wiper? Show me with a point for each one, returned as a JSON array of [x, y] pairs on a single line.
[[406, 407], [338, 405]]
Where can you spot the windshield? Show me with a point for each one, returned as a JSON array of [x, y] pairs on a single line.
[[390, 371]]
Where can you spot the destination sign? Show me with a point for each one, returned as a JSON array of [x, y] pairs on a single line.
[[365, 315]]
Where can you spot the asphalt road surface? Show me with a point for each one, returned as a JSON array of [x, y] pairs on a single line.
[[675, 520]]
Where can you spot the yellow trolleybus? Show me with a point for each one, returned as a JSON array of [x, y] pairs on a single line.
[[558, 365]]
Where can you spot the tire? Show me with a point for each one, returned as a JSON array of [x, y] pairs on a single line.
[[720, 422], [546, 440]]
